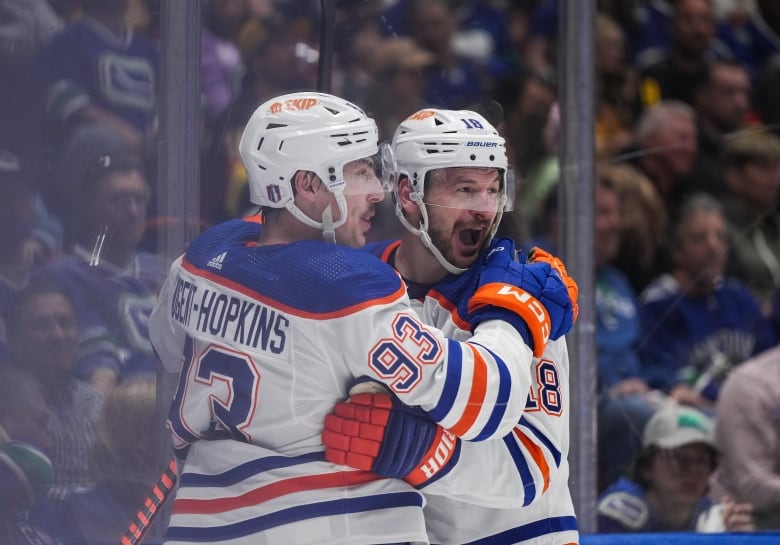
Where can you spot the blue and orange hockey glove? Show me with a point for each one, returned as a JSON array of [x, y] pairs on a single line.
[[376, 432], [537, 255], [533, 296]]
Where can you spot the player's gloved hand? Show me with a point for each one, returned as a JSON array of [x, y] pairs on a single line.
[[536, 255], [532, 296], [376, 432]]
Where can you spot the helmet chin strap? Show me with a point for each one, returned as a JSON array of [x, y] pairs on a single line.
[[327, 225], [328, 230], [422, 232]]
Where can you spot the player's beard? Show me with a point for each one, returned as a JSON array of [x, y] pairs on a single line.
[[443, 240]]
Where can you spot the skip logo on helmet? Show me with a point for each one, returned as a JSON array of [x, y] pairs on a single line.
[[293, 104]]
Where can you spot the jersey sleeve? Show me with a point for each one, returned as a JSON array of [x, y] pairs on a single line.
[[518, 469], [475, 389]]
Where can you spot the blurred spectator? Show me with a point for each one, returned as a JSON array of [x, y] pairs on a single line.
[[617, 101], [722, 100], [24, 411], [454, 81], [643, 253], [697, 325], [222, 68], [221, 74], [44, 340], [123, 464], [675, 71], [747, 434], [25, 25], [667, 489], [483, 36], [25, 478], [666, 149], [645, 23], [278, 58], [767, 77], [112, 283], [752, 174], [400, 65], [722, 105], [748, 31], [98, 70], [359, 37], [531, 126], [624, 406], [20, 250], [227, 18], [482, 32], [765, 91]]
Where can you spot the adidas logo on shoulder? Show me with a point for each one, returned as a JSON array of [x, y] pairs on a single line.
[[216, 262]]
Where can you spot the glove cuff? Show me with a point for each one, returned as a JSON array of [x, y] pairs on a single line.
[[521, 303]]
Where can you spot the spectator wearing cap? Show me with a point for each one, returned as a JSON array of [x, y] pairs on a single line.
[[110, 281], [25, 477], [669, 481]]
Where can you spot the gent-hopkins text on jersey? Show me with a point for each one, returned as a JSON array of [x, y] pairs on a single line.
[[229, 316]]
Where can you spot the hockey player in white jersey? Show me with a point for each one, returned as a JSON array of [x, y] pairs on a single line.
[[504, 492], [269, 325]]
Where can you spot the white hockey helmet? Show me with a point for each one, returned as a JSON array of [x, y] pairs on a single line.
[[307, 131], [433, 139]]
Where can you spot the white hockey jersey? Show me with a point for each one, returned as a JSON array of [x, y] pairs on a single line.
[[512, 491], [268, 339]]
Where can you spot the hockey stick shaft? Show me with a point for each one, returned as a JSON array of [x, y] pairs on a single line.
[[162, 489]]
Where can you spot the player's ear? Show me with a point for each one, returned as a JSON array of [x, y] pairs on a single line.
[[404, 195], [306, 185]]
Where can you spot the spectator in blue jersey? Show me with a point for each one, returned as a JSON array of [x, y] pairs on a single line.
[[752, 31], [624, 400], [110, 281], [123, 465], [44, 340], [669, 482], [98, 70], [696, 324], [453, 80]]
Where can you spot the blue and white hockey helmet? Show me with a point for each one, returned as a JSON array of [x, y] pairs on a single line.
[[433, 139], [309, 131]]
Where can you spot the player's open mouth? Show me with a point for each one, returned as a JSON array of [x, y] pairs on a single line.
[[470, 237]]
